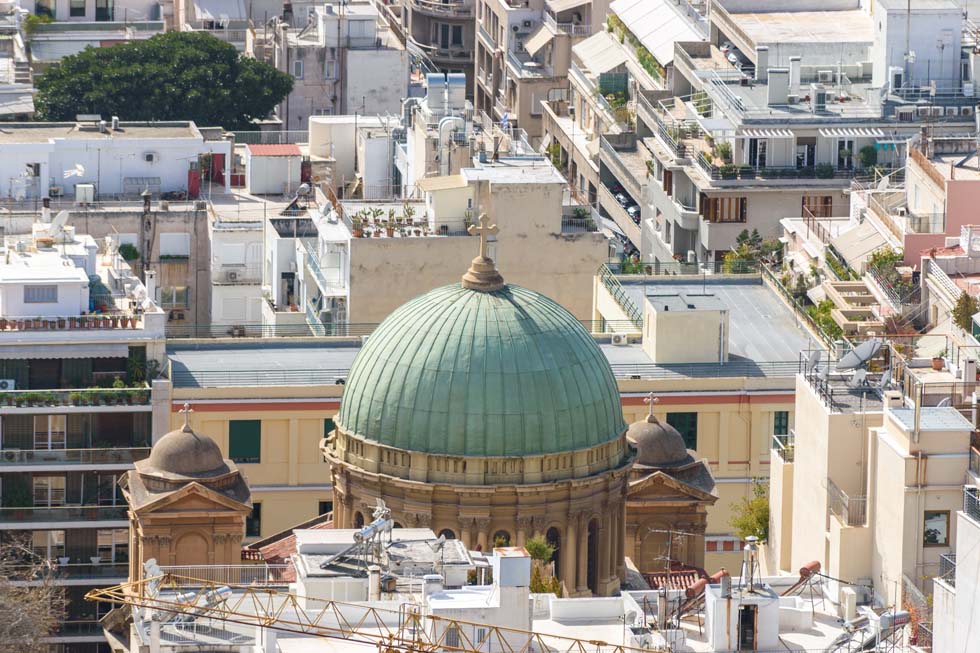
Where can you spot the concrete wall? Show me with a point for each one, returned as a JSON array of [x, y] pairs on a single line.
[[928, 25], [376, 81], [779, 547], [270, 175]]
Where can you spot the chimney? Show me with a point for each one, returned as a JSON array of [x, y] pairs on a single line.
[[151, 285], [761, 62], [794, 74], [115, 123], [778, 86], [894, 399], [431, 584], [374, 583], [102, 127], [749, 554]]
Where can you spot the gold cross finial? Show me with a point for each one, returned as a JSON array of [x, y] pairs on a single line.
[[483, 275], [186, 412], [485, 230], [650, 400]]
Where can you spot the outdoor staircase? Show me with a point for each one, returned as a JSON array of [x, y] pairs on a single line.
[[23, 73]]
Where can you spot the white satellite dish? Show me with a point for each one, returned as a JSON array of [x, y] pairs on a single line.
[[860, 355], [883, 184], [58, 224], [77, 171]]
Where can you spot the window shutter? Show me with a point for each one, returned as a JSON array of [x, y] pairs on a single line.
[[245, 440]]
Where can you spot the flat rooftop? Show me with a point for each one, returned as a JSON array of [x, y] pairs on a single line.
[[959, 166], [761, 326], [841, 26], [932, 418], [678, 302], [42, 132]]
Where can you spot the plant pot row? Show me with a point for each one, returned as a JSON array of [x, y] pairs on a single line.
[[134, 397], [81, 322]]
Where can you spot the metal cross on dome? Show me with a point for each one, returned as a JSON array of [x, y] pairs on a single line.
[[650, 400], [186, 412], [485, 230]]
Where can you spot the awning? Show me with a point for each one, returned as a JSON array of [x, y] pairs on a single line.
[[852, 132], [600, 53], [767, 133], [657, 24], [16, 103], [857, 244], [219, 10], [64, 351], [538, 40], [611, 226], [558, 6]]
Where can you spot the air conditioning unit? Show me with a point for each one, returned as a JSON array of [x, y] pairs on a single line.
[[620, 339], [905, 114], [966, 111], [7, 384], [231, 275], [901, 211], [818, 98], [84, 193], [150, 157], [952, 111], [825, 76]]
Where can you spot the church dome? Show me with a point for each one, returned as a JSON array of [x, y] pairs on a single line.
[[185, 453], [658, 444], [495, 371]]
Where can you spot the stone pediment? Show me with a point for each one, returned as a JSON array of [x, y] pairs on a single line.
[[193, 497], [664, 487]]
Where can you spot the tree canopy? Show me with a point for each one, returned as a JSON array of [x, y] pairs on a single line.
[[171, 76]]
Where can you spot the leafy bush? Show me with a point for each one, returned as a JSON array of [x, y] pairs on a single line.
[[868, 156], [821, 315], [750, 516], [824, 171], [129, 252], [966, 307]]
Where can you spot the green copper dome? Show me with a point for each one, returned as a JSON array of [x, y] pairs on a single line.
[[473, 373]]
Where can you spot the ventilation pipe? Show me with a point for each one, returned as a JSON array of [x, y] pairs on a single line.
[[794, 74], [448, 121], [761, 63]]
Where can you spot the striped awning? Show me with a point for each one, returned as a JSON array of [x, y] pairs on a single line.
[[767, 133], [852, 132]]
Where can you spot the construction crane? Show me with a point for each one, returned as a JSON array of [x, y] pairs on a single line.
[[182, 601]]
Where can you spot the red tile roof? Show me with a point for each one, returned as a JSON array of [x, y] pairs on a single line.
[[274, 150]]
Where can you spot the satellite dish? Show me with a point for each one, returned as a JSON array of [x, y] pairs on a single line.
[[883, 184], [303, 190], [437, 545], [812, 360], [58, 224], [944, 403], [860, 355]]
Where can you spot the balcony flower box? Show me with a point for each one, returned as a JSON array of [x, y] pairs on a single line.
[[61, 323], [63, 560], [96, 560]]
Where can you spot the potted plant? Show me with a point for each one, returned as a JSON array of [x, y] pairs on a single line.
[[76, 398], [114, 321], [3, 324], [937, 361], [389, 230], [63, 560]]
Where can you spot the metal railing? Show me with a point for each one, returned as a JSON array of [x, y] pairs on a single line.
[[121, 455], [571, 225], [81, 397], [785, 446], [939, 275], [285, 137], [971, 503], [98, 570], [678, 268], [15, 517], [852, 510], [947, 569], [573, 29], [975, 461], [259, 574], [798, 309], [449, 9], [620, 295]]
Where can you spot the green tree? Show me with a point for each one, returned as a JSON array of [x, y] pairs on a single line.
[[539, 549], [750, 516], [966, 307], [171, 76]]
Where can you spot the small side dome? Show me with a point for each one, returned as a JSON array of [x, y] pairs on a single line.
[[657, 444], [186, 453]]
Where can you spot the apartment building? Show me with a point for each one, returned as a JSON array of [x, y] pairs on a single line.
[[954, 608], [867, 480], [766, 114], [16, 77], [82, 343], [343, 60], [522, 55]]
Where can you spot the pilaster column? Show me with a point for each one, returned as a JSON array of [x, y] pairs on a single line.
[[569, 562], [583, 558], [605, 548], [621, 540], [465, 525], [482, 533], [524, 525]]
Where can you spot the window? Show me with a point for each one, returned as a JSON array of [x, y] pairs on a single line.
[[174, 297], [49, 432], [40, 294], [253, 523], [49, 545], [458, 35], [323, 507], [687, 425], [936, 528], [328, 427], [724, 209], [780, 422], [76, 8], [452, 636], [113, 544], [820, 206], [479, 635], [245, 440], [298, 69], [49, 491], [44, 8], [329, 69]]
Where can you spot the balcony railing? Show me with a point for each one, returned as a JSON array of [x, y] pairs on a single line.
[[853, 511], [122, 455], [975, 461], [76, 398], [76, 571], [447, 9], [94, 321], [622, 298], [785, 446], [770, 173], [947, 569], [937, 274], [17, 516], [573, 29], [571, 225], [971, 503], [260, 574]]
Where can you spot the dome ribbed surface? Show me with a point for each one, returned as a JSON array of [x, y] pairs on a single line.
[[658, 444], [186, 453], [469, 373]]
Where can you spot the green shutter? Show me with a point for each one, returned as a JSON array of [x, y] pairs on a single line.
[[245, 440], [328, 427], [687, 425], [780, 422]]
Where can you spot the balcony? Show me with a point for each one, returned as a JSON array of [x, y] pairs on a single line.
[[975, 461], [622, 154], [525, 67], [73, 322], [14, 518], [971, 503], [491, 43], [77, 571], [21, 458], [785, 446], [235, 36], [95, 399], [572, 29], [947, 569], [443, 9], [852, 510], [259, 574], [619, 215]]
